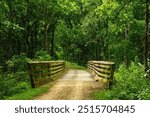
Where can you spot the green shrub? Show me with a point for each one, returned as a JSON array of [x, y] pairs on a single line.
[[22, 86], [18, 63], [13, 83], [72, 65], [129, 84], [29, 94], [42, 55], [6, 86], [17, 80], [20, 76]]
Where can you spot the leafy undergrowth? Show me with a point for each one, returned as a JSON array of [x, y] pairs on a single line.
[[71, 65], [29, 94], [129, 84], [13, 83]]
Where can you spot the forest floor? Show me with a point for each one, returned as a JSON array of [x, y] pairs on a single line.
[[74, 85]]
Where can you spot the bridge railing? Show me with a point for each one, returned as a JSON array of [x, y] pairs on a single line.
[[102, 71], [41, 72]]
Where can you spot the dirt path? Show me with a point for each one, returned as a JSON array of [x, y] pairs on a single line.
[[74, 85]]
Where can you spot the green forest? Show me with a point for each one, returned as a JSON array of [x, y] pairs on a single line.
[[76, 31]]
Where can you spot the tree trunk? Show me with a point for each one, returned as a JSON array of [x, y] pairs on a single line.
[[146, 35], [27, 31], [11, 45], [46, 36], [35, 35], [106, 41], [46, 29], [18, 47], [32, 44], [52, 41]]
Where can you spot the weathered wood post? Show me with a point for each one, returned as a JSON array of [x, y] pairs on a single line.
[[30, 67], [112, 75]]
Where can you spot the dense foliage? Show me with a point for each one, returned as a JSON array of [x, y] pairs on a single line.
[[72, 30], [130, 84], [13, 83], [75, 30]]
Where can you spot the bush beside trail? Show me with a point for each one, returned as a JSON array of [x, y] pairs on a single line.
[[129, 84]]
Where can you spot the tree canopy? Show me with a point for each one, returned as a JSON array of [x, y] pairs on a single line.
[[76, 31]]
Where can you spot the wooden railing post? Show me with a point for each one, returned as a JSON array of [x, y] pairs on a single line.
[[30, 74], [112, 75]]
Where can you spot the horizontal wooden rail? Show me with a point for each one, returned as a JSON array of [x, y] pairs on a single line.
[[41, 72], [102, 71]]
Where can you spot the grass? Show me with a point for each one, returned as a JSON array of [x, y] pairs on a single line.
[[29, 94], [101, 95], [71, 65]]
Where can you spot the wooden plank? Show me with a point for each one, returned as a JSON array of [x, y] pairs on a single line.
[[40, 74], [103, 75], [100, 66], [36, 62], [53, 72], [102, 62], [52, 66], [39, 70], [102, 70], [41, 81], [55, 69], [103, 66], [58, 67], [35, 73]]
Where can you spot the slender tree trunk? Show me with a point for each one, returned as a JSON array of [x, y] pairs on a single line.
[[106, 42], [99, 40], [10, 34], [146, 35], [19, 47], [52, 41], [35, 35], [32, 44], [46, 36], [27, 31], [46, 29]]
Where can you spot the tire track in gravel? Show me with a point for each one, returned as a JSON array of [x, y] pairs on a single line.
[[74, 85]]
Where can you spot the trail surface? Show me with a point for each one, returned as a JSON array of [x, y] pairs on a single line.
[[74, 85]]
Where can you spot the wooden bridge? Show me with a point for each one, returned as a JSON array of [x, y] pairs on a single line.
[[74, 84]]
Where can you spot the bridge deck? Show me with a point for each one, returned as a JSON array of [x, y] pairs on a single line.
[[74, 85]]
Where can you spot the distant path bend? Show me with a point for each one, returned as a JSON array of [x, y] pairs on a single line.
[[74, 85]]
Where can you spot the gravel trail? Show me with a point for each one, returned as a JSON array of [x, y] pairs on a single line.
[[74, 85]]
